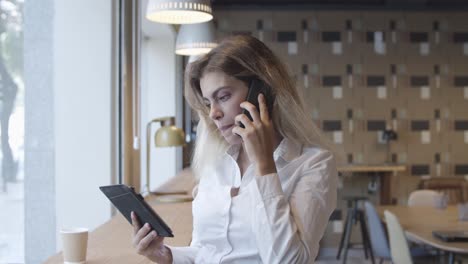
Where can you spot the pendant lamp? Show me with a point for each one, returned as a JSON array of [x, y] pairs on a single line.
[[179, 11], [195, 39]]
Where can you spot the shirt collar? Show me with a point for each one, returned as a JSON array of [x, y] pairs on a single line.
[[287, 150]]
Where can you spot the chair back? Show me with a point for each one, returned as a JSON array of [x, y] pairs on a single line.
[[455, 188], [377, 235], [428, 198], [398, 245]]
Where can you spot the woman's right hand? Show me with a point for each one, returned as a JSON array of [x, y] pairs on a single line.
[[149, 244]]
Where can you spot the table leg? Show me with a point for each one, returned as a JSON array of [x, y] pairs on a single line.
[[344, 235], [385, 188], [349, 228]]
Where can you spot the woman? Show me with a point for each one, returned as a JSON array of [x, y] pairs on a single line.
[[266, 191]]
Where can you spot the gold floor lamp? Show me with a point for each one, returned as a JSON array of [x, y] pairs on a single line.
[[168, 135]]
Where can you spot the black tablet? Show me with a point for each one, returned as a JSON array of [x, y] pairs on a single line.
[[451, 236], [126, 200]]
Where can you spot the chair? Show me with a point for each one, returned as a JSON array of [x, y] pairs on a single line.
[[428, 198], [378, 239], [454, 187], [398, 245]]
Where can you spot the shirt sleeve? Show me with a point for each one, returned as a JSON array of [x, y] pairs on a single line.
[[289, 231], [183, 255]]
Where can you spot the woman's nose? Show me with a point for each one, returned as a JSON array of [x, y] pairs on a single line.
[[215, 113]]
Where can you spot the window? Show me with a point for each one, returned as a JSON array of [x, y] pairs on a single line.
[[12, 132]]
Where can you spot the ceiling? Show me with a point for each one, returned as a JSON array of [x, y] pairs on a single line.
[[344, 4]]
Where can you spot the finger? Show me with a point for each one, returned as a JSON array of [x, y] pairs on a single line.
[[252, 110], [135, 223], [264, 116], [155, 243], [145, 242], [141, 234], [158, 239], [238, 131], [243, 119]]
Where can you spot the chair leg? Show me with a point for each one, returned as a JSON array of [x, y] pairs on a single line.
[[451, 259], [365, 237], [360, 219], [346, 230]]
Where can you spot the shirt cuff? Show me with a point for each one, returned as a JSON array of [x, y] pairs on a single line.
[[268, 186], [182, 255]]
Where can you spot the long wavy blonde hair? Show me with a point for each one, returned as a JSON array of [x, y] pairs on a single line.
[[245, 57]]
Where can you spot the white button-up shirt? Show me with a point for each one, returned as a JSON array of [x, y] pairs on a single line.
[[275, 218]]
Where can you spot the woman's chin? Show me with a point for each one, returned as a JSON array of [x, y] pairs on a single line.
[[233, 139]]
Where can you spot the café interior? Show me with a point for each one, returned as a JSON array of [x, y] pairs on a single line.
[[385, 81]]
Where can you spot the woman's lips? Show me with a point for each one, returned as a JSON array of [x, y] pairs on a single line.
[[225, 128]]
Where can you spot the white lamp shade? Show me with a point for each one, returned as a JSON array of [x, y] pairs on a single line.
[[195, 39], [179, 11]]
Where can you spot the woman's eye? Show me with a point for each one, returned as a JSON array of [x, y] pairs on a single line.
[[224, 98]]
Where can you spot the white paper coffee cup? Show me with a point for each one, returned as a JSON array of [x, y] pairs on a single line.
[[75, 244]]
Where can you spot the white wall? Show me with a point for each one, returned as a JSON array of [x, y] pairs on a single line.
[[158, 98], [82, 95], [83, 101]]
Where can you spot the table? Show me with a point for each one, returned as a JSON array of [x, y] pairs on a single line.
[[419, 222], [111, 242], [385, 172]]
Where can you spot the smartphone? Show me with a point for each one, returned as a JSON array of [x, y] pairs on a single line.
[[257, 87]]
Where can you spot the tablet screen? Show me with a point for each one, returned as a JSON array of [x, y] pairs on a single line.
[[126, 200]]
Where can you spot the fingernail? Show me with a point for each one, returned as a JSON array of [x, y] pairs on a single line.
[[146, 225]]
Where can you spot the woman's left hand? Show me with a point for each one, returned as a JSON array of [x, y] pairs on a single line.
[[258, 136]]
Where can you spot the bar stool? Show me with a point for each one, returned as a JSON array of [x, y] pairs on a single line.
[[354, 216]]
